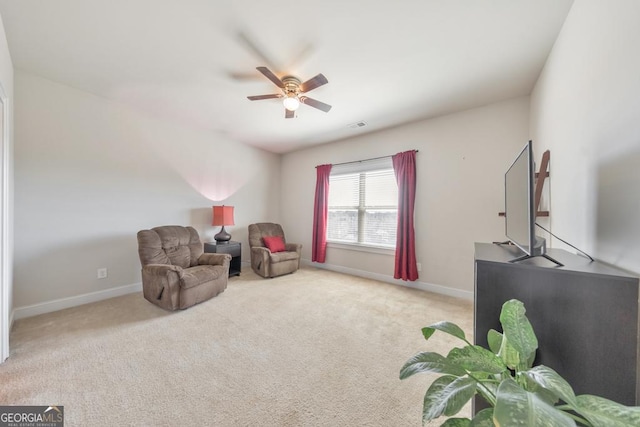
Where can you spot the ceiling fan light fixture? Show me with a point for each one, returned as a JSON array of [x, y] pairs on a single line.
[[291, 102], [292, 90]]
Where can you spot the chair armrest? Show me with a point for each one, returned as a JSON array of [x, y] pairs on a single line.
[[161, 282], [162, 269], [214, 259], [260, 260], [293, 247], [260, 251]]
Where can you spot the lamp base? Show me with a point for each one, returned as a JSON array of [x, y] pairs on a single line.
[[222, 237]]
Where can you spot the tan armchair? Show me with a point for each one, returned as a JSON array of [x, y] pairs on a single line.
[[176, 274], [267, 263]]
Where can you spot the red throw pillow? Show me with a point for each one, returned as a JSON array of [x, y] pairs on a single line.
[[274, 243]]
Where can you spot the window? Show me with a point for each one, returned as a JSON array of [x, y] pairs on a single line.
[[363, 204]]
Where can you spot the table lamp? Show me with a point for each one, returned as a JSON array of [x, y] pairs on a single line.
[[222, 215]]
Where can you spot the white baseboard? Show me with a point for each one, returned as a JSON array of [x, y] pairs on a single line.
[[62, 303], [424, 286]]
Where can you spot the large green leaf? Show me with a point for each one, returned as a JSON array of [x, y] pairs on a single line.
[[518, 407], [545, 395], [518, 330], [605, 413], [509, 355], [476, 359], [446, 396], [456, 422], [444, 326], [430, 362], [488, 391], [494, 338], [549, 379], [483, 418]]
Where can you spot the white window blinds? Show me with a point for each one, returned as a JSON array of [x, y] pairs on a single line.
[[363, 203]]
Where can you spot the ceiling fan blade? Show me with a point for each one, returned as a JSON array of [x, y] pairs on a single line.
[[313, 83], [315, 103], [268, 74], [259, 97], [288, 114], [236, 75], [257, 50], [302, 56]]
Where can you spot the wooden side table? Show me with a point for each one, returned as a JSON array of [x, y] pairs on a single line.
[[232, 248]]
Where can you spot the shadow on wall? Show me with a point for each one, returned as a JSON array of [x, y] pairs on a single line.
[[212, 164], [618, 210]]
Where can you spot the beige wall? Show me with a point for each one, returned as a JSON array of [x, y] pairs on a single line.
[[585, 108], [90, 173], [460, 170]]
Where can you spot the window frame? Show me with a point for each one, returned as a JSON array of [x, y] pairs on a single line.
[[361, 169]]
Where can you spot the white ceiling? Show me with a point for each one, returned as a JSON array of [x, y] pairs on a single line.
[[193, 61]]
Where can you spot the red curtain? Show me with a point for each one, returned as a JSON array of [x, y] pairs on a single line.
[[404, 166], [319, 243]]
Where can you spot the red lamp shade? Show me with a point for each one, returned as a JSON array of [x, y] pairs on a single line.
[[222, 215]]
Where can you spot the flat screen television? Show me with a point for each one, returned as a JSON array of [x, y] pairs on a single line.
[[520, 214]]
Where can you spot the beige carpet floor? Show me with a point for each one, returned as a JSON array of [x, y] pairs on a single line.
[[314, 348]]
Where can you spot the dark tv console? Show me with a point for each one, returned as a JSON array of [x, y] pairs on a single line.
[[585, 315]]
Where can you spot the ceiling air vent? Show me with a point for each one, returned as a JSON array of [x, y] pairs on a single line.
[[357, 125]]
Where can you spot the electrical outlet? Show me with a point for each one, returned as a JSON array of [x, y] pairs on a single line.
[[102, 273], [419, 266]]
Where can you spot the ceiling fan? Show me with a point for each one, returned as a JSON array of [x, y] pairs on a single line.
[[292, 90]]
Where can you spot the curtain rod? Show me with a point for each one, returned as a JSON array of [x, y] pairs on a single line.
[[366, 160]]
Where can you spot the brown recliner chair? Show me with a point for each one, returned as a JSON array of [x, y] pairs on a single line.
[[267, 263], [176, 274]]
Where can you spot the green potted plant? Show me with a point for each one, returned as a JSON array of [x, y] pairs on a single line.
[[503, 375]]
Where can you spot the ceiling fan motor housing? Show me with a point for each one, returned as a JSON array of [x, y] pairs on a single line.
[[291, 85]]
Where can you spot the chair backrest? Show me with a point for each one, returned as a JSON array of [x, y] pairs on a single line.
[[170, 244], [262, 229]]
